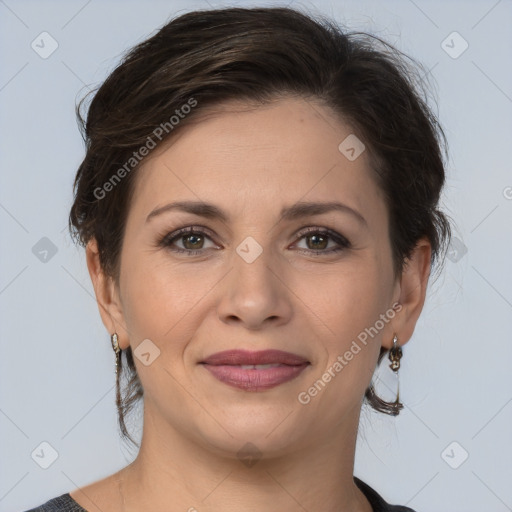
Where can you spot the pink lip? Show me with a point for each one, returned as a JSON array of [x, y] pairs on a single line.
[[238, 357], [225, 366]]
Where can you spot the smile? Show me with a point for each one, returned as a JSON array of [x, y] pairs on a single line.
[[255, 371]]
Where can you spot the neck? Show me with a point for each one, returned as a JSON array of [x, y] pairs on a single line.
[[174, 469]]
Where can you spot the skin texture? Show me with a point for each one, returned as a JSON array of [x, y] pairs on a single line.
[[251, 162]]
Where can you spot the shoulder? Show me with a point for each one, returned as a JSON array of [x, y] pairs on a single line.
[[377, 501], [98, 496], [63, 503]]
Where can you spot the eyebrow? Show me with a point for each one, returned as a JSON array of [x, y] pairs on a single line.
[[296, 211]]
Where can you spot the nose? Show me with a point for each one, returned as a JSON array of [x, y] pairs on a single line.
[[254, 293]]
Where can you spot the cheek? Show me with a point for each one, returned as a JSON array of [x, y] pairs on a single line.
[[346, 304], [345, 301], [354, 303], [159, 297], [158, 301]]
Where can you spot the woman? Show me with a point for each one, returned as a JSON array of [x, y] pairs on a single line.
[[258, 204]]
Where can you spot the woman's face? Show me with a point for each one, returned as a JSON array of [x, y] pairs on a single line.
[[256, 280]]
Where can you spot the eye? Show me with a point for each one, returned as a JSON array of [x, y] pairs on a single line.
[[191, 237], [317, 241]]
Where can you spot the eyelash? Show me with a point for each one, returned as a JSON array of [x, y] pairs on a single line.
[[168, 239]]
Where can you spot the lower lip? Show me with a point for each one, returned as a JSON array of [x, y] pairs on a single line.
[[254, 380]]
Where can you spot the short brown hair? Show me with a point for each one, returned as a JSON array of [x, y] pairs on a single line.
[[260, 54]]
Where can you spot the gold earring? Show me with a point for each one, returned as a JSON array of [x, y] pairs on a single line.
[[391, 408], [117, 349]]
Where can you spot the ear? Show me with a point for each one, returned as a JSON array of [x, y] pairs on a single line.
[[107, 295], [411, 291]]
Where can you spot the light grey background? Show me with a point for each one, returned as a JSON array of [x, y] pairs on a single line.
[[57, 366]]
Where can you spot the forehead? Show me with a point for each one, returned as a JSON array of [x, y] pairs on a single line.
[[258, 156]]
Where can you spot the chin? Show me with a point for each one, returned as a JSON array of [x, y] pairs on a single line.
[[262, 432]]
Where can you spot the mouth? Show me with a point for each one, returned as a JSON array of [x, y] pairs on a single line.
[[255, 371]]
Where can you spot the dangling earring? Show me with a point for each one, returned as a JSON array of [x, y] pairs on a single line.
[[117, 349], [391, 408]]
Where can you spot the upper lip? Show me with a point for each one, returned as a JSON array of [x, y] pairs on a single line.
[[247, 357]]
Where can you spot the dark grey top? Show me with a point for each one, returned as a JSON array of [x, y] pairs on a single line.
[[66, 503]]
